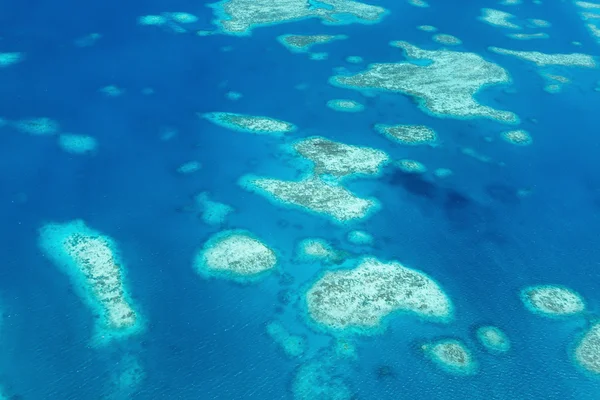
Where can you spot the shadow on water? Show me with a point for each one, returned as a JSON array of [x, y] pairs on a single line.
[[460, 211]]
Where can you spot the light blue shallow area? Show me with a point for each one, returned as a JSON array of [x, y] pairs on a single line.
[[206, 339]]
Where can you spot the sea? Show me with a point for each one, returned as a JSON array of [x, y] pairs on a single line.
[[514, 216]]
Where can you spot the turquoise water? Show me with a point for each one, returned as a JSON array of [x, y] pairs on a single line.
[[207, 338]]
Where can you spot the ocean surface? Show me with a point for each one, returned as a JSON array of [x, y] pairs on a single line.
[[525, 215]]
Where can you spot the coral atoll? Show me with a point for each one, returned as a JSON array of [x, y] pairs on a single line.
[[236, 255], [451, 356], [314, 195], [91, 260], [303, 43], [552, 301], [493, 339], [345, 105], [445, 85], [408, 134], [250, 123], [239, 17], [542, 59], [587, 351], [339, 159], [359, 299]]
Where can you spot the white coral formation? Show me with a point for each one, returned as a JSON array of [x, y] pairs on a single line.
[[235, 255], [339, 159], [360, 298], [542, 59], [452, 356], [90, 259], [316, 249], [250, 123], [239, 17], [587, 351], [77, 144], [303, 43], [314, 195], [445, 86], [498, 18], [345, 105], [444, 38], [518, 137], [493, 339], [552, 301], [408, 134]]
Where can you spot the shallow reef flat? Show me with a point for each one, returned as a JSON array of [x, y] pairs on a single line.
[[408, 134], [313, 195], [518, 137], [552, 300], [236, 255], [497, 18], [542, 59], [341, 160], [303, 43], [493, 339], [240, 17], [212, 212], [317, 249], [587, 351], [359, 299], [92, 262], [250, 123], [452, 356], [344, 105], [292, 345], [445, 87]]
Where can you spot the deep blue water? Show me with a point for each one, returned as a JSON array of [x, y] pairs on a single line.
[[207, 339]]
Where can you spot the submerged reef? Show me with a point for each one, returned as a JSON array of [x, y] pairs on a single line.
[[360, 238], [316, 249], [518, 137], [37, 126], [427, 28], [126, 378], [235, 255], [341, 160], [320, 379], [446, 39], [303, 43], [345, 105], [542, 59], [212, 212], [498, 18], [354, 59], [77, 144], [445, 87], [493, 339], [411, 166], [250, 123], [528, 36], [359, 299], [587, 351], [418, 3], [451, 356], [240, 17], [92, 262], [314, 195], [408, 134], [189, 167], [8, 59], [292, 345], [552, 301]]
